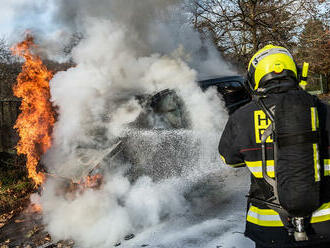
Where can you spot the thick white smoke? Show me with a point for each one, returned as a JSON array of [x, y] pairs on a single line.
[[129, 48], [103, 217]]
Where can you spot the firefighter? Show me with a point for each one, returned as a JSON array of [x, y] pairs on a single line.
[[273, 73]]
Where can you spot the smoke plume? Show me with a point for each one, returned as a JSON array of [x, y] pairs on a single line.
[[130, 48]]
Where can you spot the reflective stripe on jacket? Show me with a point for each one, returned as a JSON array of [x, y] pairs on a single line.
[[240, 147], [269, 217]]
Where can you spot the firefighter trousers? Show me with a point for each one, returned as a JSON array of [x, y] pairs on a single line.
[[324, 245]]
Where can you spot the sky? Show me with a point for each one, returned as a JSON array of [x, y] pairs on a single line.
[[16, 16]]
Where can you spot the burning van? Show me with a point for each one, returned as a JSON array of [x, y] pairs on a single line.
[[157, 134]]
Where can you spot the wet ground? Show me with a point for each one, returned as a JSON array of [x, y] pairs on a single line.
[[25, 229], [216, 219]]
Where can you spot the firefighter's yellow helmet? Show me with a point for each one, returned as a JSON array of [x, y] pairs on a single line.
[[270, 62]]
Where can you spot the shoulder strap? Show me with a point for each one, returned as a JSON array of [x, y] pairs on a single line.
[[272, 203], [311, 137]]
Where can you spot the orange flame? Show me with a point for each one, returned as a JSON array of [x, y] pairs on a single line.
[[34, 208], [36, 120], [74, 189], [93, 182]]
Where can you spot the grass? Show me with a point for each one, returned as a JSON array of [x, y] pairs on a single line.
[[15, 186]]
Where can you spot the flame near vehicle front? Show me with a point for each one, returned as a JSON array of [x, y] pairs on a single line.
[[115, 166]]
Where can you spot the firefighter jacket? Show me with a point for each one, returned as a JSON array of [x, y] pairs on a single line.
[[240, 146]]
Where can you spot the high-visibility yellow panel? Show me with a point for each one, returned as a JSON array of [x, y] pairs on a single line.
[[255, 168], [326, 167], [269, 217], [315, 125], [261, 123], [269, 223], [231, 165]]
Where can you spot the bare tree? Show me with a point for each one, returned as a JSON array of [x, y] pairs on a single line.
[[314, 46], [73, 42], [241, 27], [5, 53]]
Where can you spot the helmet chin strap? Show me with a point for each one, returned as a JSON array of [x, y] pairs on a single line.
[[249, 85], [262, 91], [266, 90]]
